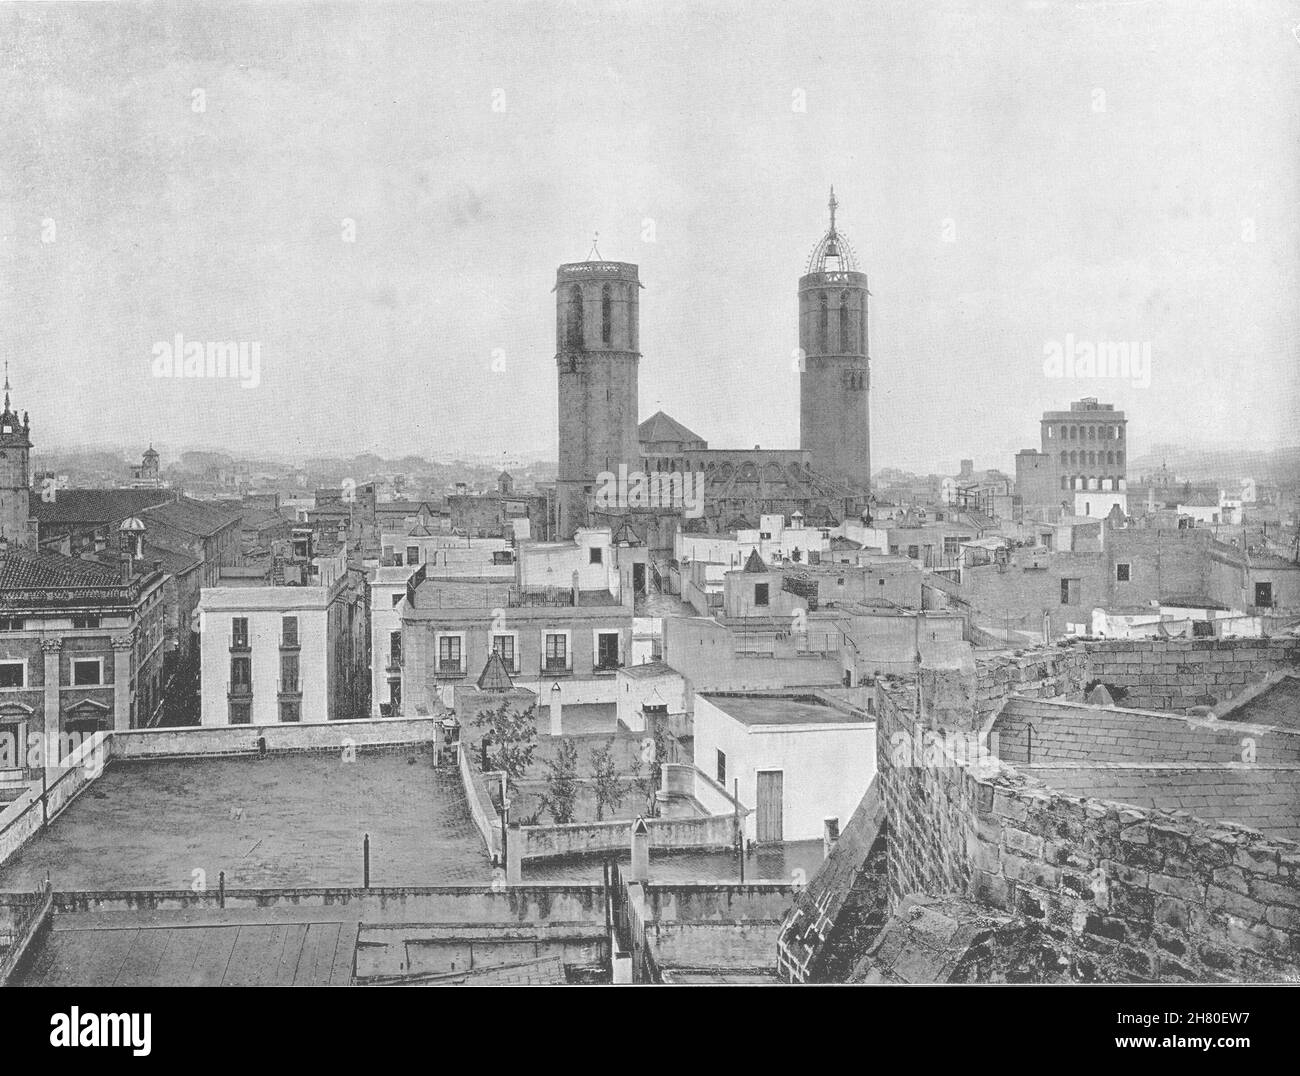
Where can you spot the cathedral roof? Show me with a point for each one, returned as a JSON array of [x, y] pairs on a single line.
[[661, 427]]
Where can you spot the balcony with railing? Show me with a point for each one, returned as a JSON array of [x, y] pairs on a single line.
[[451, 668], [239, 690]]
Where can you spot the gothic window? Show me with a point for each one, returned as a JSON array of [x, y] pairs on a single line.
[[606, 304], [1119, 459], [575, 316], [1065, 482], [823, 319], [1110, 457], [845, 346], [1063, 433], [1092, 433], [1065, 458], [1074, 433], [1074, 458]]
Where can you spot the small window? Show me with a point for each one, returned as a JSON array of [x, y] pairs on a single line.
[[1070, 591], [1264, 595], [505, 646], [9, 623], [1122, 573], [87, 672], [290, 711], [760, 593], [289, 631], [557, 648], [607, 650], [81, 622], [449, 653], [722, 769], [13, 673], [239, 632], [289, 673], [412, 554], [241, 713], [594, 556], [241, 673]]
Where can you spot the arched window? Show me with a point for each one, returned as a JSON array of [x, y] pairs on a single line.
[[845, 345], [1065, 482], [1063, 433], [1092, 433], [575, 316], [1074, 459], [1119, 433], [606, 310], [1065, 458], [1110, 458], [1092, 457], [823, 324], [1074, 433], [1119, 459]]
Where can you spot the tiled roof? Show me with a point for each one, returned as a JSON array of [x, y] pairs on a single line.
[[660, 427], [21, 569], [187, 514], [94, 505]]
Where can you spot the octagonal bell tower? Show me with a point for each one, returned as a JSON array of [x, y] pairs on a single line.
[[597, 357], [834, 383]]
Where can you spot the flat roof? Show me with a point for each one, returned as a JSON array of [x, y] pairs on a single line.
[[780, 710], [294, 819]]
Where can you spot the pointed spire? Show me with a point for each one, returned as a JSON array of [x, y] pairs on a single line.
[[6, 384]]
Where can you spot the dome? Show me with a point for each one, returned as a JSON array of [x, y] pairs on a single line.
[[131, 525]]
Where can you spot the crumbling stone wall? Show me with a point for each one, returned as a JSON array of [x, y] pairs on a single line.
[[1120, 894]]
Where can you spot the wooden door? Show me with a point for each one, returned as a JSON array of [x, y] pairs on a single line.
[[770, 806]]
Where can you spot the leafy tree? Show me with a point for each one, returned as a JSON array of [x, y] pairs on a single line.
[[561, 793], [511, 738], [610, 790]]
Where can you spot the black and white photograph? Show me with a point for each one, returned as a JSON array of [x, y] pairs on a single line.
[[620, 492]]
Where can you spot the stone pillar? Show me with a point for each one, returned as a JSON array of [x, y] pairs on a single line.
[[830, 834], [50, 649], [122, 645], [640, 869], [514, 855], [557, 711]]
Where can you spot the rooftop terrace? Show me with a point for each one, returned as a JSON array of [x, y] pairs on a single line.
[[279, 821]]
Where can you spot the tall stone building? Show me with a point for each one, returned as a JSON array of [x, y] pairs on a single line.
[[834, 379], [15, 471], [597, 357]]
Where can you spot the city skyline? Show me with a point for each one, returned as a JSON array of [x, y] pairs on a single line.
[[206, 175]]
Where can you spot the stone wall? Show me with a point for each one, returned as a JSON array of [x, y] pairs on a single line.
[[1120, 894], [1178, 674], [1047, 732]]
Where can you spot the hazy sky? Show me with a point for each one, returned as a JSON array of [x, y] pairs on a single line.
[[1009, 174]]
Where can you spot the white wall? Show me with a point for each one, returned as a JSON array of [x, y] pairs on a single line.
[[826, 768]]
